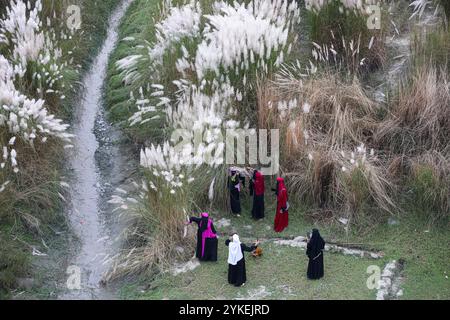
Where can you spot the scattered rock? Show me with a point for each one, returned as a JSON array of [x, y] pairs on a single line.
[[188, 280], [25, 283], [223, 223], [296, 242], [285, 289], [188, 266], [300, 242], [179, 249], [393, 222], [389, 284], [255, 294]]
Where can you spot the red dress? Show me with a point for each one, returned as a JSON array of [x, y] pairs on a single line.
[[257, 186], [282, 215]]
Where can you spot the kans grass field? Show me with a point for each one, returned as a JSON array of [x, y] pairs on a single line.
[[92, 91]]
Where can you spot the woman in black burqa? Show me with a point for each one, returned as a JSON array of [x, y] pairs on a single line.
[[235, 189], [314, 251], [206, 238]]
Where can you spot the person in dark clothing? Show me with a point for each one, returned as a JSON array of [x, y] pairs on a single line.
[[314, 251], [282, 214], [257, 190], [206, 238], [236, 261], [235, 189]]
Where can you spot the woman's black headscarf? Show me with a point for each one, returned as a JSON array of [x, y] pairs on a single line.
[[315, 244]]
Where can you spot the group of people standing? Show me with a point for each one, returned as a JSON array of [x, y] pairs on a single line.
[[207, 244], [257, 190], [207, 240]]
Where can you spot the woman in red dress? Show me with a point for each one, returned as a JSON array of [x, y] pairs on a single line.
[[282, 215], [257, 189]]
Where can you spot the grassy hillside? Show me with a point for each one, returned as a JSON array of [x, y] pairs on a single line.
[[344, 153]]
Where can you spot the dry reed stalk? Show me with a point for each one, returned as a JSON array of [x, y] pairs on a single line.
[[419, 119]]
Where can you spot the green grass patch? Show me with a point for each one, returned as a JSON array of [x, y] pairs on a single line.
[[136, 25], [282, 270], [279, 274], [432, 48]]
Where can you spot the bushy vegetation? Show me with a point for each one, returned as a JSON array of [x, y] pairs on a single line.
[[342, 153], [41, 61], [340, 34], [446, 5], [327, 148], [210, 66], [429, 183], [198, 72]]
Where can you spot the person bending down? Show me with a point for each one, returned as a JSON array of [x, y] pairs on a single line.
[[206, 238]]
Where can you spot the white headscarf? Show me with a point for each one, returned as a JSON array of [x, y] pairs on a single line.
[[234, 251]]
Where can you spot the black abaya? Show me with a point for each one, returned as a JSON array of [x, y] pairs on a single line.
[[210, 253], [236, 273], [314, 251], [257, 190], [235, 202], [258, 207]]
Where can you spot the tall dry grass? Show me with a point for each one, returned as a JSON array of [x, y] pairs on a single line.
[[356, 48], [429, 180], [155, 237], [324, 138], [340, 112], [419, 119]]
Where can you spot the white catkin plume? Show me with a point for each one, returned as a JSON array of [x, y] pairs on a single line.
[[241, 33], [24, 118], [211, 190], [239, 38], [419, 7], [356, 5]]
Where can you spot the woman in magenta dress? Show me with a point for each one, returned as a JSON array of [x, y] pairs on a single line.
[[206, 238], [282, 214]]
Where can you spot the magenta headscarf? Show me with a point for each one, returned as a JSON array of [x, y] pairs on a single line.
[[208, 233]]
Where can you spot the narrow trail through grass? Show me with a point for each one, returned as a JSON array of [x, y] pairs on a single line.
[[89, 222]]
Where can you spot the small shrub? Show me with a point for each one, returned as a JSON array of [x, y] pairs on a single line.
[[14, 263], [340, 34], [432, 48], [446, 5], [429, 181], [419, 117]]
